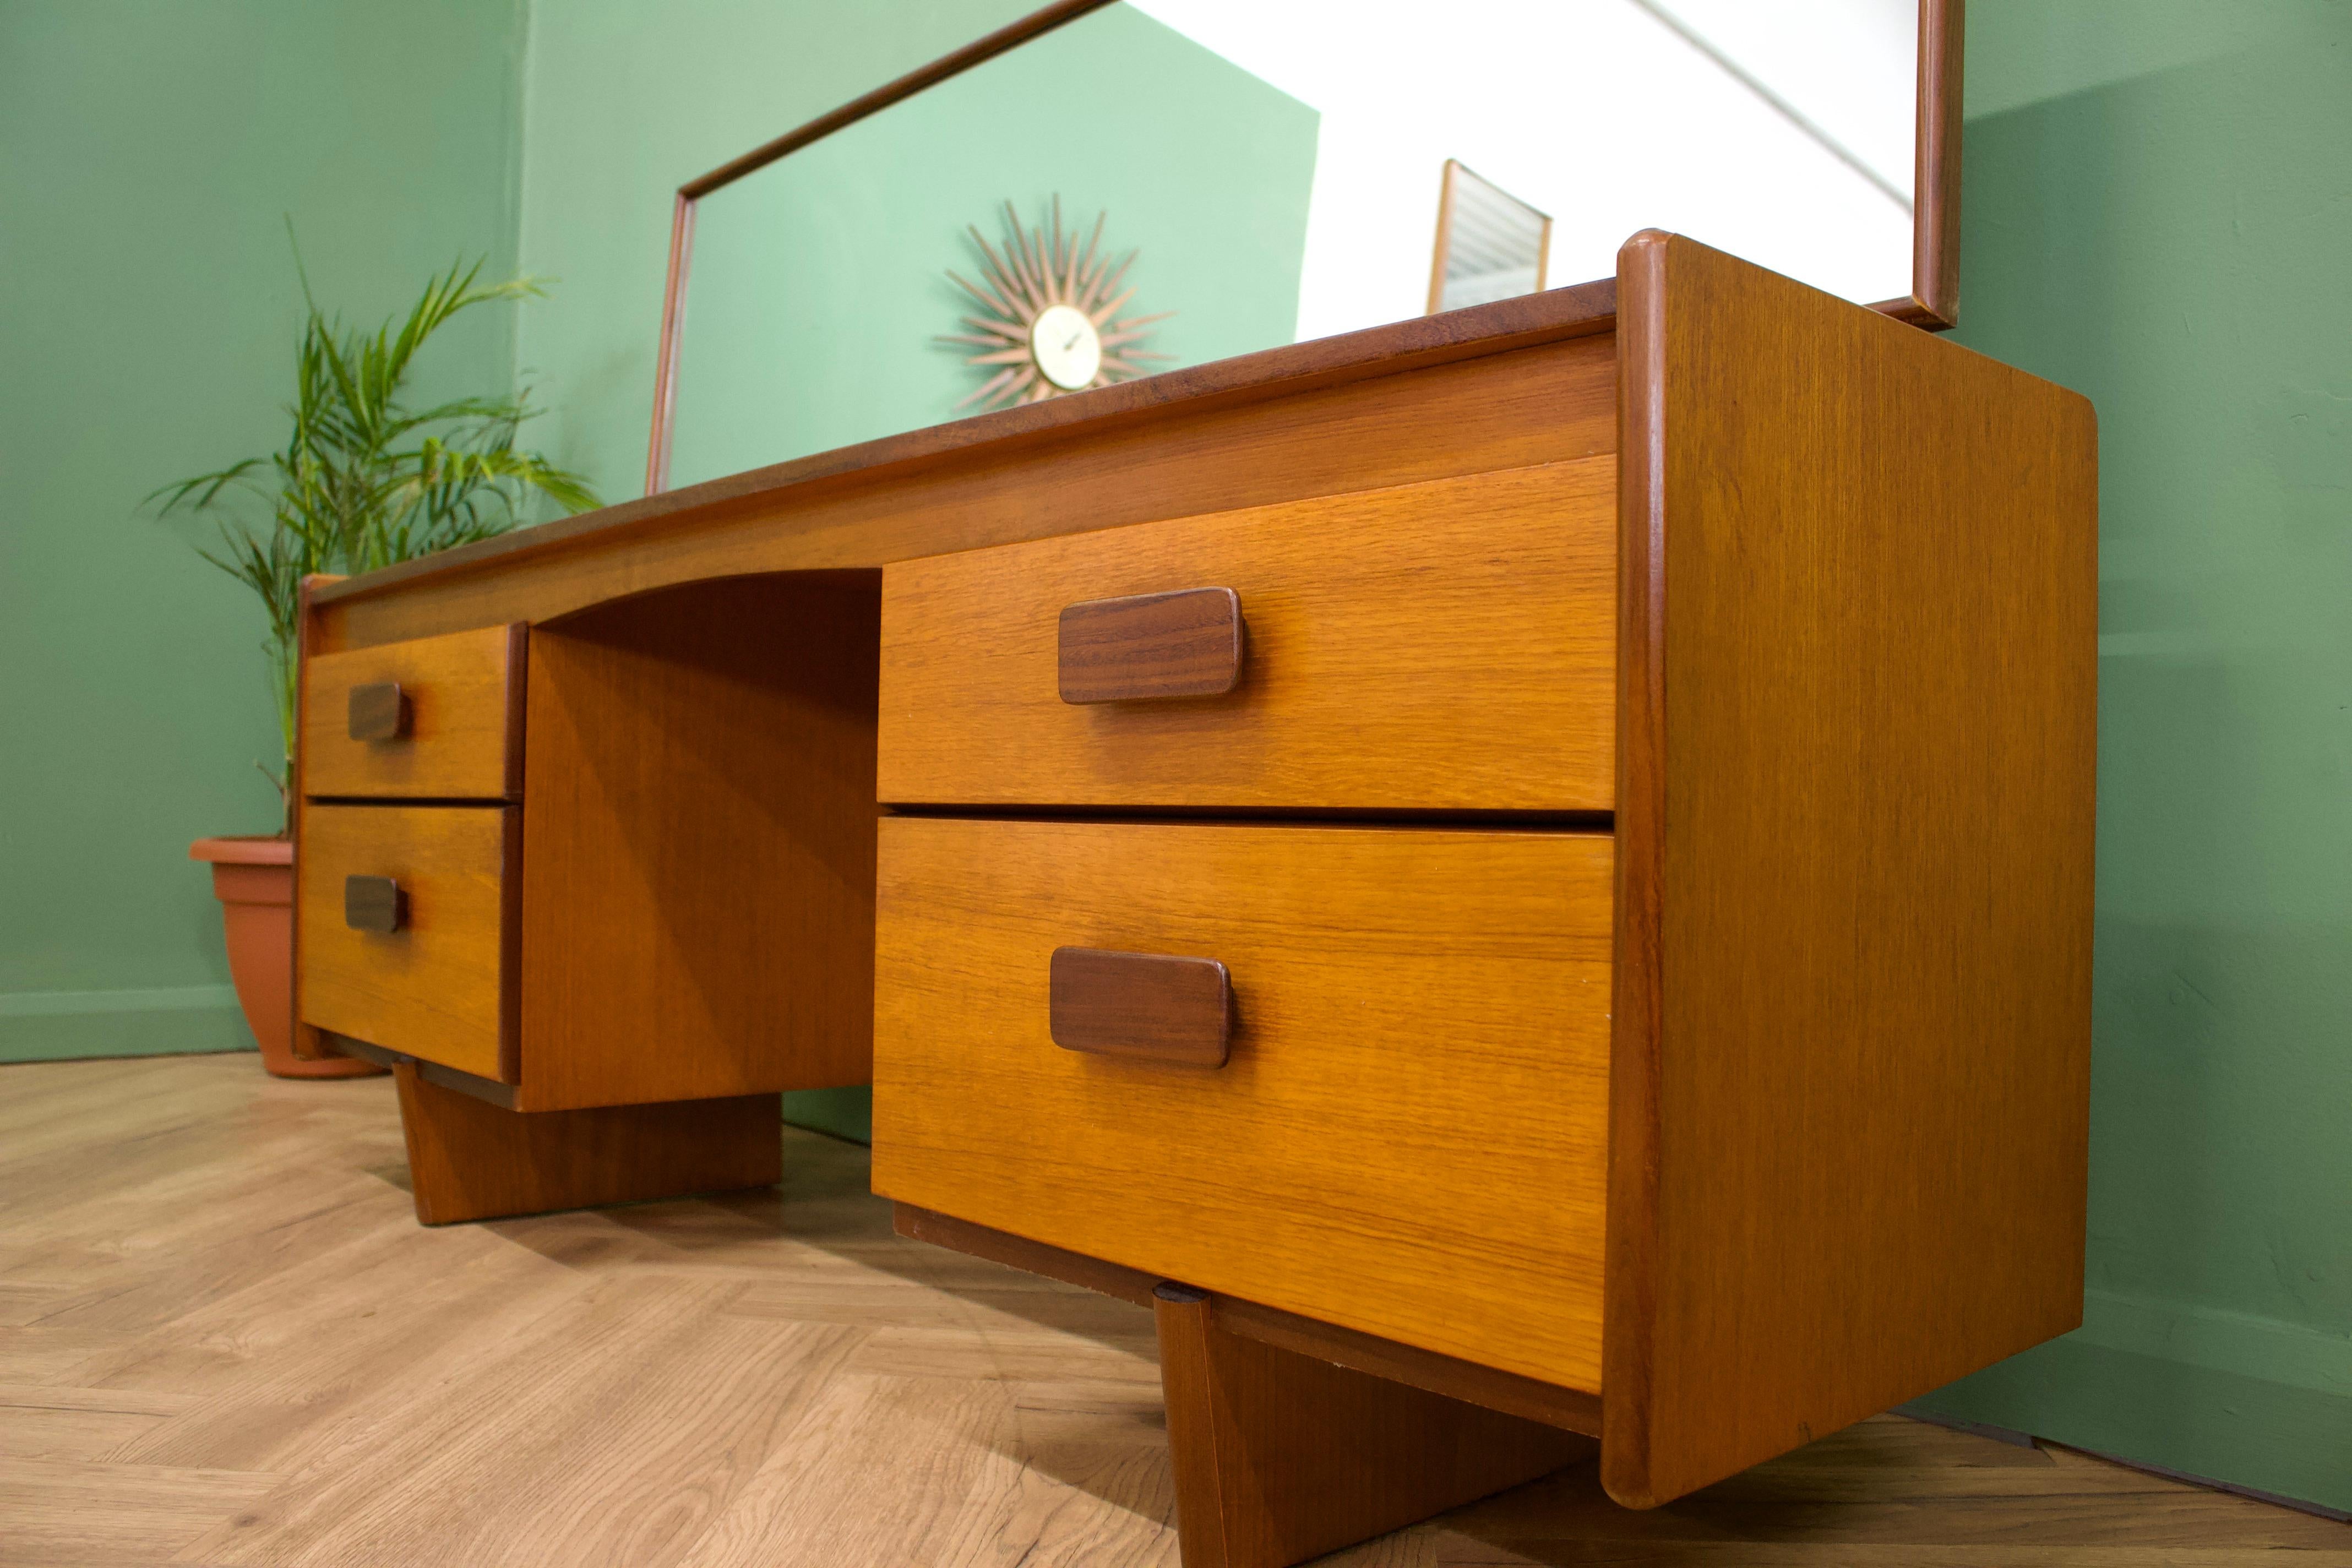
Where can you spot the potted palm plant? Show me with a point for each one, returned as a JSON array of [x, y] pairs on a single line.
[[363, 480]]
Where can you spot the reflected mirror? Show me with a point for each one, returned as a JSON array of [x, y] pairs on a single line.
[[1112, 190]]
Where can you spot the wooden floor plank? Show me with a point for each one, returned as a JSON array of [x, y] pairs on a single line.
[[225, 1342], [68, 1511], [947, 1472]]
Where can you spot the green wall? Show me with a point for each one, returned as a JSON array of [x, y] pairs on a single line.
[[627, 100], [2158, 212], [150, 154], [819, 283]]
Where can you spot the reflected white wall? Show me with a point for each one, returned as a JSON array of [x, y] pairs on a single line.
[[1595, 111]]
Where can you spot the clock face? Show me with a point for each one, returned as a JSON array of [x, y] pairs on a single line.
[[1054, 321], [1066, 346]]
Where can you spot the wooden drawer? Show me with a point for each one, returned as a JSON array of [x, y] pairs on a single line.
[[441, 983], [1441, 645], [1408, 1135], [438, 718]]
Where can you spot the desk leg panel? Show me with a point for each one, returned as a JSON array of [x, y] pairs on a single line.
[[470, 1160], [1280, 1457]]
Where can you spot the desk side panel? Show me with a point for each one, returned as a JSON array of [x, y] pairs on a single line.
[[1851, 1055], [698, 864]]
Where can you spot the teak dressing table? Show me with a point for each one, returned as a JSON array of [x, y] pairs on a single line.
[[1521, 878]]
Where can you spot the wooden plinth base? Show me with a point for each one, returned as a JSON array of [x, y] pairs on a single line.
[[468, 1159], [1280, 1456]]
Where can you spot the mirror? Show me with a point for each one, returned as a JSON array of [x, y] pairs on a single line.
[[1106, 190]]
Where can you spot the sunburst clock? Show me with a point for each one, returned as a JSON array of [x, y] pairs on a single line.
[[1053, 324]]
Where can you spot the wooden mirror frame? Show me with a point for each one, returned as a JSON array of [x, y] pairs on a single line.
[[1934, 302]]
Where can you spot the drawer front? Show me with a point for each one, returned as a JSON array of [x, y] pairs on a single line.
[[1441, 645], [437, 717], [1407, 1134], [407, 930]]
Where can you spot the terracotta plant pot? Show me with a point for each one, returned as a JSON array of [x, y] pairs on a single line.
[[254, 879]]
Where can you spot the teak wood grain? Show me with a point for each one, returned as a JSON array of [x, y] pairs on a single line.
[[1438, 645], [469, 1160], [1935, 302], [1853, 916], [309, 1044], [1020, 1252], [1570, 1410], [1409, 1136], [441, 987], [1151, 647], [1423, 401], [697, 873], [1280, 1456], [461, 697], [487, 1089]]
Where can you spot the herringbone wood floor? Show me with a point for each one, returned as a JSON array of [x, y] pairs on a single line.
[[224, 1341]]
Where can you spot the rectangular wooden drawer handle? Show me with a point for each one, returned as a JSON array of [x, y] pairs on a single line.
[[379, 711], [1140, 1005], [373, 903], [1185, 644]]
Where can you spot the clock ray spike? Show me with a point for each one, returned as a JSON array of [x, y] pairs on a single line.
[[1005, 330], [1090, 291], [1002, 356], [1049, 259], [1017, 247], [1017, 289], [1017, 231], [1099, 316], [1005, 271], [1016, 390], [1032, 281], [1111, 282], [1070, 263], [1012, 390], [1024, 306], [985, 388], [977, 292], [1057, 235], [995, 272], [971, 338], [1088, 269], [1094, 243]]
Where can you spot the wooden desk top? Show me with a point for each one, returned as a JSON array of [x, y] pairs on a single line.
[[1125, 453]]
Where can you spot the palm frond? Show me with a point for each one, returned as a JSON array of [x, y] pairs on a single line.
[[364, 480]]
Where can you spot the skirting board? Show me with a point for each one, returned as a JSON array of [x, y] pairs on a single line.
[[68, 1025], [2233, 1400], [846, 1113]]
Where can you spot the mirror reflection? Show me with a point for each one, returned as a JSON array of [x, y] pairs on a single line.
[[1164, 182]]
